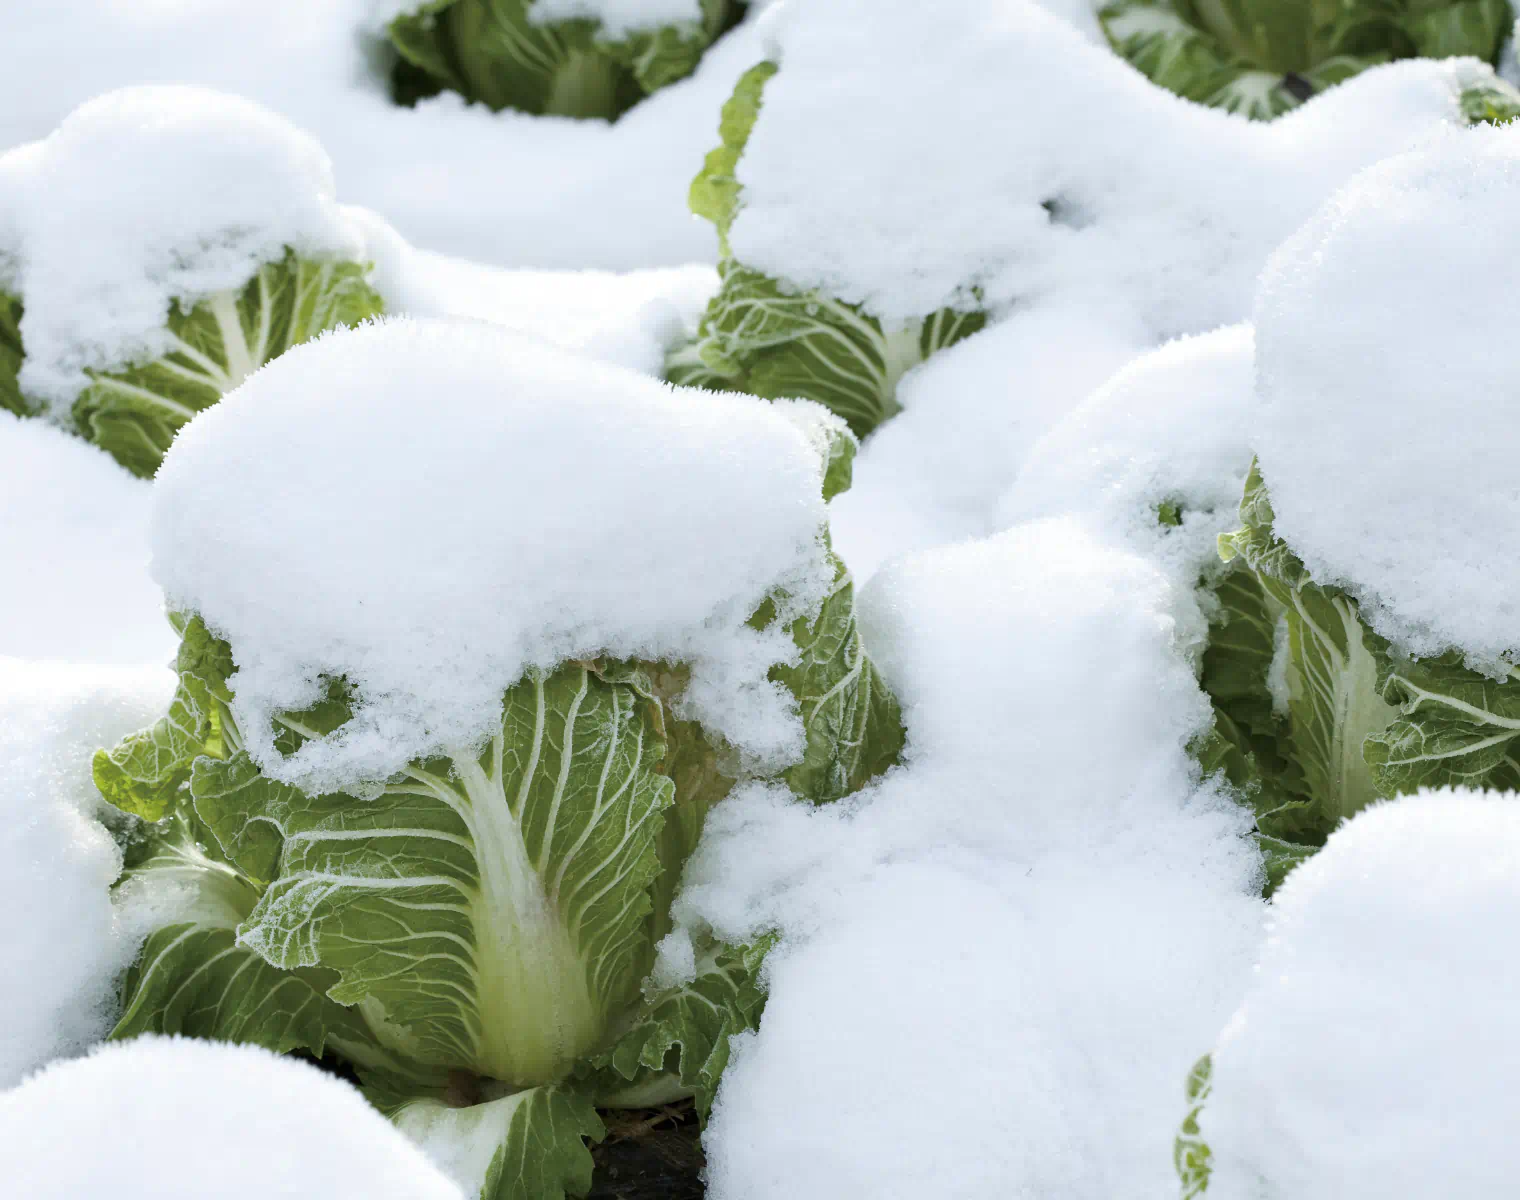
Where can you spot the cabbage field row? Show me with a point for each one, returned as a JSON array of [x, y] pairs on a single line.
[[786, 599]]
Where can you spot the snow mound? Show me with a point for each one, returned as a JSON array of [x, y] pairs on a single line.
[[630, 318], [1168, 431], [1373, 1055], [57, 862], [177, 1119], [75, 543], [1046, 849], [503, 187], [147, 196], [1386, 427], [429, 508], [934, 473], [868, 177]]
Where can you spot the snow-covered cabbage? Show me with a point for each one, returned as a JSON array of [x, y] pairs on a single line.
[[566, 58], [869, 215], [1263, 57], [155, 250], [1372, 1054], [454, 700], [1376, 631], [1156, 459], [772, 340]]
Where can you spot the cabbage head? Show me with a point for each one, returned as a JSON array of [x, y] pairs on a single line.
[[1264, 57], [215, 343], [475, 941], [1317, 716], [498, 53]]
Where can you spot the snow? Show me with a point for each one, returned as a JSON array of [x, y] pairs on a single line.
[[630, 318], [176, 1119], [866, 176], [935, 472], [74, 541], [997, 963], [64, 944], [1386, 428], [146, 196], [1374, 1053], [428, 508], [503, 187], [1168, 428]]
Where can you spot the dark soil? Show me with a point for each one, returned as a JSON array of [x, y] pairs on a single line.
[[652, 1154]]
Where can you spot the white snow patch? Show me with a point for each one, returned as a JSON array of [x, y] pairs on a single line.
[[147, 196], [74, 541], [176, 1119], [1374, 1054], [1386, 427], [64, 943], [428, 508], [995, 960], [869, 177], [502, 187], [1171, 427], [630, 318], [934, 473]]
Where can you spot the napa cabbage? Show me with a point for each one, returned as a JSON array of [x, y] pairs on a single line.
[[475, 938], [1264, 57], [509, 54], [761, 335]]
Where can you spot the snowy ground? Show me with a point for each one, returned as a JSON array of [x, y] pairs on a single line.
[[997, 963]]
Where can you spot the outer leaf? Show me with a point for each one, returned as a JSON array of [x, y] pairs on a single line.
[[493, 909], [193, 979], [134, 413], [11, 355], [1280, 858], [1190, 1153], [678, 1045], [145, 771], [1242, 642], [853, 722], [1473, 27], [659, 57], [715, 191], [758, 337], [1335, 701], [700, 770], [1160, 43], [421, 38], [1335, 706], [1492, 100], [233, 800], [526, 1146], [1455, 727], [1257, 543]]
